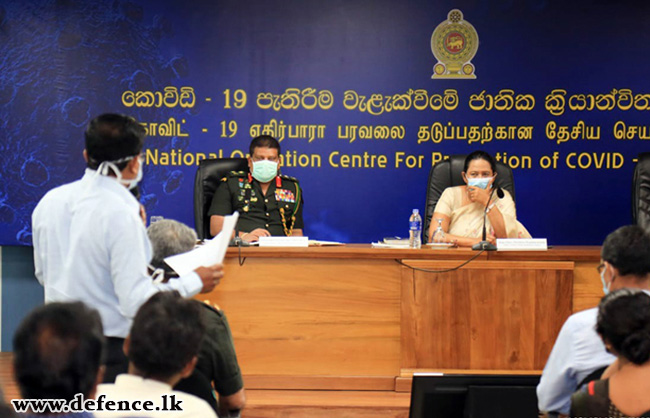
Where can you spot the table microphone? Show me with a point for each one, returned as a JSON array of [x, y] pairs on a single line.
[[484, 244]]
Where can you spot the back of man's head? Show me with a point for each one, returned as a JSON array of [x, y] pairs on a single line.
[[628, 250], [58, 351], [169, 237], [113, 137], [165, 335]]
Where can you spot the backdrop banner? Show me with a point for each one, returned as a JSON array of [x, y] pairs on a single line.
[[363, 95]]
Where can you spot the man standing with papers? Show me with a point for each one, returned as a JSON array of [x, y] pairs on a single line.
[[269, 204], [94, 228]]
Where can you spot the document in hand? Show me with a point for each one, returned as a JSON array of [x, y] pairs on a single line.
[[212, 252]]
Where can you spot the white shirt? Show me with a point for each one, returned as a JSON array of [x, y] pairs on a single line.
[[51, 238], [93, 227], [134, 388], [577, 352]]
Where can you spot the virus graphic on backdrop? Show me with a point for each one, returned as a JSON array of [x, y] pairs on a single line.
[[65, 62]]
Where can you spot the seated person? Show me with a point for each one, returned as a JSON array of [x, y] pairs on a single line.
[[461, 208], [579, 355], [624, 326], [217, 362], [268, 202], [161, 347], [58, 350]]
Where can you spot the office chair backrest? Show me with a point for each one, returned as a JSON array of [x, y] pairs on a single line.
[[207, 179], [641, 192]]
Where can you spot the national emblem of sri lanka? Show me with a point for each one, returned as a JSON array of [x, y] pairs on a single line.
[[454, 43]]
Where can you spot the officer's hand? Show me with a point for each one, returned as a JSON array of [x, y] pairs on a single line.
[[210, 276], [255, 235]]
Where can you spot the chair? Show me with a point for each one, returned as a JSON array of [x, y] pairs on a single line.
[[447, 173], [641, 192], [206, 181]]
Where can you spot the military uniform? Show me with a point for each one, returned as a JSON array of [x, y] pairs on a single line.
[[238, 191], [217, 362]]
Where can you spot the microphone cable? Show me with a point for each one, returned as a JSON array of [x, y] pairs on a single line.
[[464, 263]]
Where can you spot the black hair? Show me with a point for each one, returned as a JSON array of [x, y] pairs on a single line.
[[112, 137], [624, 322], [628, 249], [480, 155], [58, 350], [165, 335], [263, 141]]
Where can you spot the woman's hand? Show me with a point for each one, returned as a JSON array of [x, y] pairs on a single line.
[[478, 195]]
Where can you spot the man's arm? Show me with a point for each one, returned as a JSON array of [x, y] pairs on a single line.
[[558, 379], [220, 207], [300, 224], [129, 251], [234, 402]]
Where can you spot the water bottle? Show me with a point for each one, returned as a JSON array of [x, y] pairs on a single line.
[[415, 229]]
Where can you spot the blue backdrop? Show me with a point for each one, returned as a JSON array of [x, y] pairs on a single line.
[[219, 70]]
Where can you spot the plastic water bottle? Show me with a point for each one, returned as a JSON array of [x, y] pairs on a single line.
[[415, 229]]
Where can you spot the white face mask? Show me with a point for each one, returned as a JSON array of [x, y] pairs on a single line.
[[605, 284], [480, 182], [264, 170], [106, 166]]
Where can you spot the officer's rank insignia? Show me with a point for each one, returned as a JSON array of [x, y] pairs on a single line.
[[454, 43]]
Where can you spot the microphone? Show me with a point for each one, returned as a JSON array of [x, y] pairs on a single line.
[[484, 244]]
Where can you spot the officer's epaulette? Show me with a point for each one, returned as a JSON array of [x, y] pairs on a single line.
[[212, 307], [237, 174], [285, 177]]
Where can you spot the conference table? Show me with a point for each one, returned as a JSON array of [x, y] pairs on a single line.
[[354, 317]]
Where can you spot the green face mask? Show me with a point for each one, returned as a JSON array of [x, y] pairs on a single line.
[[264, 171]]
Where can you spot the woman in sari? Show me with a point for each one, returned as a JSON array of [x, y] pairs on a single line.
[[461, 208]]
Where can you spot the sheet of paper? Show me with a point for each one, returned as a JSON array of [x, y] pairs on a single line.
[[212, 252], [382, 245], [319, 243]]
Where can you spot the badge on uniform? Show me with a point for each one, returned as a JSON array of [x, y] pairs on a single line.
[[284, 195]]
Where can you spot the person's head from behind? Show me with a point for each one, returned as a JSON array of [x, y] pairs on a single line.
[[114, 143], [625, 258], [165, 337], [58, 351], [479, 170], [169, 237], [624, 324], [264, 158]]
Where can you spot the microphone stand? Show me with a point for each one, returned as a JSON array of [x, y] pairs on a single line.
[[486, 245]]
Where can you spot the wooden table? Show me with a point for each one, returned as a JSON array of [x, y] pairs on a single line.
[[358, 318]]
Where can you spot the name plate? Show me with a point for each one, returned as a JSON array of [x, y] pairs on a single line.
[[521, 244], [284, 241]]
